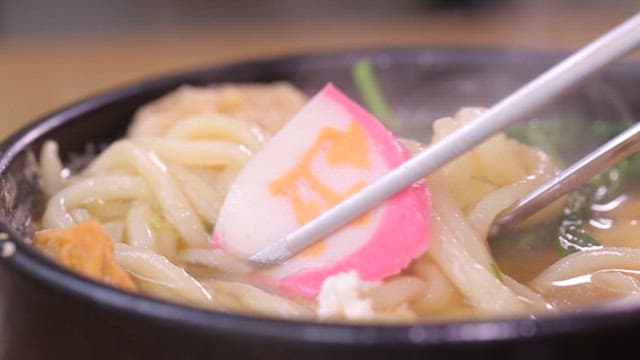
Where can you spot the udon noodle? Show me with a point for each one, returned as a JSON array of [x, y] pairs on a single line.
[[158, 191]]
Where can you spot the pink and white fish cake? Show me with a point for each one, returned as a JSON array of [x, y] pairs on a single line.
[[331, 149]]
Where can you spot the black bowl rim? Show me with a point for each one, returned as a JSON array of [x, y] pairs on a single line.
[[34, 265]]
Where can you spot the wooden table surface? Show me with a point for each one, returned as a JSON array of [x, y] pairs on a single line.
[[39, 74]]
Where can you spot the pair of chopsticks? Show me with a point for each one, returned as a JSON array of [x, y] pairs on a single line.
[[517, 106]]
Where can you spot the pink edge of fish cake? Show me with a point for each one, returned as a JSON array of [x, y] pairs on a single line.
[[402, 234]]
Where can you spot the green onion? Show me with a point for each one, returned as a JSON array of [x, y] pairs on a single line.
[[364, 78], [496, 271], [155, 220], [485, 180]]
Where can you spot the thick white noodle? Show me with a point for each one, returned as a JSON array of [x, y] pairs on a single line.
[[167, 240], [139, 232], [80, 215], [397, 291], [475, 281], [483, 213], [105, 188], [115, 230], [467, 194], [216, 259], [248, 298], [197, 153], [616, 281], [439, 290], [155, 271], [202, 195], [51, 168], [534, 299], [181, 165], [175, 207], [587, 262], [457, 223], [210, 125]]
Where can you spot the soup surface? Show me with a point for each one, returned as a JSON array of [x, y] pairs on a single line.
[[140, 217]]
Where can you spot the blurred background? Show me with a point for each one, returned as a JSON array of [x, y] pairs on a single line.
[[57, 51]]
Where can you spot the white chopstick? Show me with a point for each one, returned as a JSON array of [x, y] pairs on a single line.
[[517, 106]]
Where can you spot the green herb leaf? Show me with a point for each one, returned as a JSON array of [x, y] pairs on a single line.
[[608, 129], [602, 188], [539, 136], [572, 239], [566, 138], [572, 235], [544, 135], [366, 82], [558, 138]]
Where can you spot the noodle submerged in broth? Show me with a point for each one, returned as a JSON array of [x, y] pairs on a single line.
[[157, 193]]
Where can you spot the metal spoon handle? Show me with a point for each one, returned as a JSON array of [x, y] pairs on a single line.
[[569, 179], [517, 106]]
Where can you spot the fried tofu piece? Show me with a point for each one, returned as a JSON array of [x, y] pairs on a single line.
[[269, 106], [86, 249]]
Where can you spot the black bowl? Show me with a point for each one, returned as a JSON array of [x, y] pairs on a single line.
[[50, 313]]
